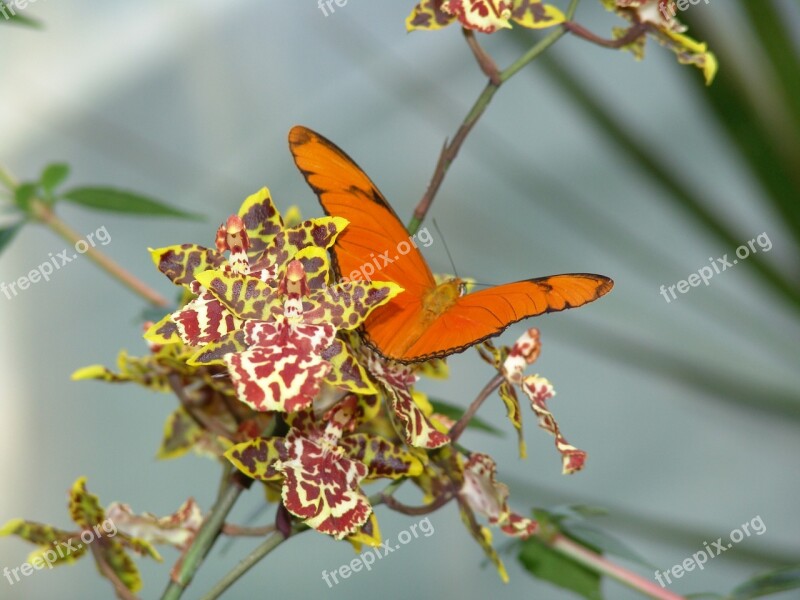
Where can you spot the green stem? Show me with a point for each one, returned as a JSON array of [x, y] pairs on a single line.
[[450, 150], [202, 543], [597, 563], [45, 215], [8, 180], [268, 545]]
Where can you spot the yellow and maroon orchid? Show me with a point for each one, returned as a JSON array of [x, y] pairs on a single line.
[[486, 16]]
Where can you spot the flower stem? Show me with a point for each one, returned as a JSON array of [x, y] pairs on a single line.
[[457, 429], [45, 215], [450, 149], [635, 31], [597, 563], [268, 545], [201, 545]]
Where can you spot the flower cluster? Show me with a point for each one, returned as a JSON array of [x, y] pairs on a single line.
[[271, 375], [654, 18]]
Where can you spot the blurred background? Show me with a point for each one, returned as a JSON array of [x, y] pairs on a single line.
[[588, 161]]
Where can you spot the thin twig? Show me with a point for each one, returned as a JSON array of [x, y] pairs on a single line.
[[635, 31], [405, 509], [45, 215], [237, 530], [485, 62], [267, 546], [457, 429], [450, 149], [201, 545]]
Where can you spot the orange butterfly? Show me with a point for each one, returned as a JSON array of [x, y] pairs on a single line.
[[426, 320]]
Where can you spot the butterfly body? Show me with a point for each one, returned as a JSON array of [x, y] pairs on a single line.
[[428, 320]]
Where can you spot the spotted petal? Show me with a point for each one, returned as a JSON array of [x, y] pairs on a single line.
[[177, 529], [430, 15], [256, 458], [182, 263], [321, 487], [275, 376], [383, 458], [261, 219], [485, 495], [539, 390], [536, 15]]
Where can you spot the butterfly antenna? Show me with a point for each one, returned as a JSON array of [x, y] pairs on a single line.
[[446, 249]]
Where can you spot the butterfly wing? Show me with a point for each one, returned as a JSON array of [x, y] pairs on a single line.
[[375, 244], [406, 329], [484, 314], [375, 233]]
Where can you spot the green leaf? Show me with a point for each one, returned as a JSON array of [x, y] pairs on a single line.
[[548, 564], [114, 200], [781, 580], [24, 193], [455, 413], [15, 18], [608, 544], [53, 175], [7, 234]]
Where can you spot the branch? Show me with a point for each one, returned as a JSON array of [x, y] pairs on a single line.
[[398, 506], [201, 545], [45, 215], [635, 31], [237, 530], [457, 429], [450, 150]]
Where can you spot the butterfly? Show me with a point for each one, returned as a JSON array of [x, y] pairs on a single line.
[[427, 320]]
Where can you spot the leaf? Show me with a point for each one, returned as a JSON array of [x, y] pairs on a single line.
[[7, 234], [780, 580], [53, 175], [548, 564], [121, 201], [24, 194], [608, 544], [13, 18], [455, 413]]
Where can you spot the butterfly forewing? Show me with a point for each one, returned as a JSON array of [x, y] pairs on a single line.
[[376, 244]]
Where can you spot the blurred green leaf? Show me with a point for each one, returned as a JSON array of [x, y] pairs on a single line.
[[24, 193], [647, 161], [114, 200], [781, 580], [7, 234], [15, 18], [548, 564], [53, 175], [455, 413], [587, 534]]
